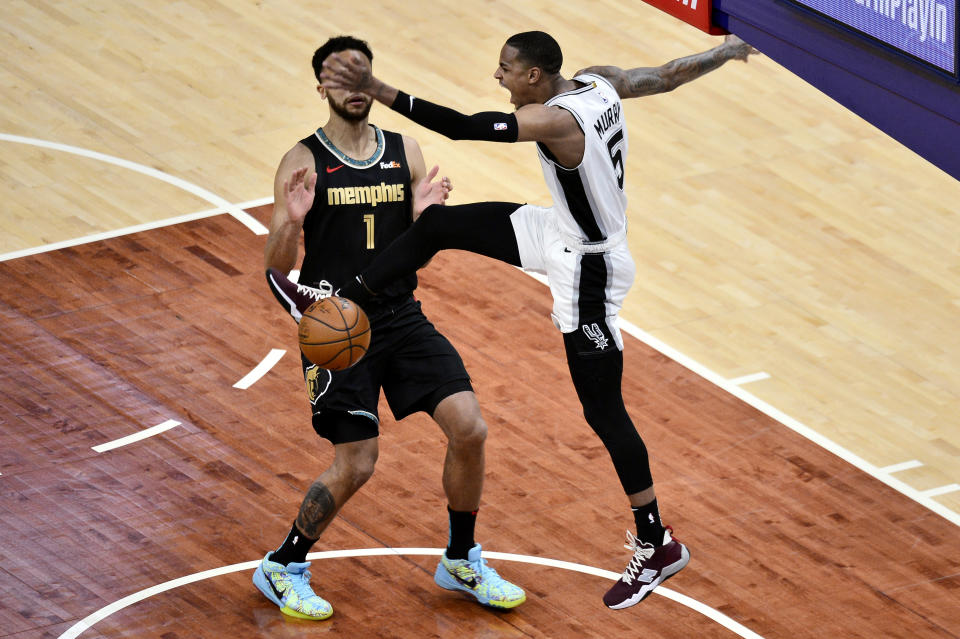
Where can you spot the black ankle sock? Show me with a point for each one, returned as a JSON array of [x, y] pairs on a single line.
[[649, 528], [462, 524], [294, 548]]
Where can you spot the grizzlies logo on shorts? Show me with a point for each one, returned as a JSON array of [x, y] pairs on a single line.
[[318, 381]]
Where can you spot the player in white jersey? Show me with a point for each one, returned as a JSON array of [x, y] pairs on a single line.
[[588, 216], [602, 215], [579, 242]]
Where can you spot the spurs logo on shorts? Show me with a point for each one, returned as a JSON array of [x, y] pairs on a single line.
[[594, 332], [318, 381]]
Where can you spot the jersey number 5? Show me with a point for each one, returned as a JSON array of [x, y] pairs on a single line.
[[617, 156], [368, 222]]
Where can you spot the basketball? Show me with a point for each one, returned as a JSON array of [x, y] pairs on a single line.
[[334, 333]]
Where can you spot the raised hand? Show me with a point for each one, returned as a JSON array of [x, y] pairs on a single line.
[[739, 50], [428, 192], [346, 70], [299, 191]]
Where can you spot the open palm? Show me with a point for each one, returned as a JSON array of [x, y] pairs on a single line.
[[299, 191], [428, 192]]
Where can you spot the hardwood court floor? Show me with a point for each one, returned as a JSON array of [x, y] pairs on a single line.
[[774, 231], [107, 338]]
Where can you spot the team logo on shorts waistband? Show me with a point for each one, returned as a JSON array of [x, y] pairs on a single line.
[[595, 333], [318, 381]]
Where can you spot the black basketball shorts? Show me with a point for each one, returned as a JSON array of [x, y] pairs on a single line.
[[408, 358]]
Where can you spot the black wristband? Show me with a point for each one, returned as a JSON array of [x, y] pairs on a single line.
[[402, 103], [491, 126]]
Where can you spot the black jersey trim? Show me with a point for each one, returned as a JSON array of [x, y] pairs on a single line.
[[346, 159], [571, 183], [587, 87], [548, 154], [606, 81], [592, 288]]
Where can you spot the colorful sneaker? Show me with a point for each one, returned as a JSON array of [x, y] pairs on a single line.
[[289, 587], [295, 298], [474, 576], [648, 568]]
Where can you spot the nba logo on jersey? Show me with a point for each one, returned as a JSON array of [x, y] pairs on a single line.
[[500, 126], [596, 335]]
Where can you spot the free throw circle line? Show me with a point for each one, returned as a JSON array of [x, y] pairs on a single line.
[[241, 216], [87, 622]]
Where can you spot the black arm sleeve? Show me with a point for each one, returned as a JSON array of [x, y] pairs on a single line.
[[491, 126]]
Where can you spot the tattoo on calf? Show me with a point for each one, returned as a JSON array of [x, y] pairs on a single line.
[[316, 511]]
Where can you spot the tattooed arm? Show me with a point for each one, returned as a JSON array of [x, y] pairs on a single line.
[[635, 83]]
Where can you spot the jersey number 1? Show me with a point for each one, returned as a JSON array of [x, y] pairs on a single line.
[[368, 222]]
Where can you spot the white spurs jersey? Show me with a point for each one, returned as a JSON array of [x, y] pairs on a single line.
[[589, 199]]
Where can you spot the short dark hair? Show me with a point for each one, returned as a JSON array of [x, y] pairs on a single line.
[[538, 49], [337, 44]]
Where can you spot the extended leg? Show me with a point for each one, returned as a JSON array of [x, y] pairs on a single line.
[[596, 378], [483, 228], [656, 554]]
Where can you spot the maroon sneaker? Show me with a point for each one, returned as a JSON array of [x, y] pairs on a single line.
[[295, 298], [648, 568]]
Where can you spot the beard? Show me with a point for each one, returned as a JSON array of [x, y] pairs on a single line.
[[341, 109]]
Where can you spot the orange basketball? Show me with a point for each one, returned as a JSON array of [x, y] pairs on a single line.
[[334, 333]]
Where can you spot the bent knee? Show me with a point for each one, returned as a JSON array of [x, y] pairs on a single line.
[[356, 466], [469, 433]]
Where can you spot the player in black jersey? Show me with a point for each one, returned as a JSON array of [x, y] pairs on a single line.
[[363, 177]]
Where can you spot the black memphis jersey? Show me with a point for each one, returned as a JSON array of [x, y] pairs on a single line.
[[359, 208]]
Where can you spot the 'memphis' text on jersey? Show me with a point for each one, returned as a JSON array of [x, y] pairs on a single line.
[[371, 195]]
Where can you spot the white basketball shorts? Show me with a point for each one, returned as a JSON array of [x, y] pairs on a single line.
[[586, 286]]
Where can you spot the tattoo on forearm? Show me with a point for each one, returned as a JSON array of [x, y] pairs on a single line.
[[692, 67], [673, 74], [646, 84], [316, 511]]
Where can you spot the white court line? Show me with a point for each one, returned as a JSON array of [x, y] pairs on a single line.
[[242, 216], [923, 498], [757, 403], [746, 379], [87, 622], [143, 434], [791, 423], [129, 230], [261, 369], [942, 490], [907, 465]]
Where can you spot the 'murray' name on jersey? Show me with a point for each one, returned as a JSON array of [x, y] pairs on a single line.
[[366, 195], [609, 118]]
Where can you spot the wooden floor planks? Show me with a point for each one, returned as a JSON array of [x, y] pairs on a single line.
[[104, 339]]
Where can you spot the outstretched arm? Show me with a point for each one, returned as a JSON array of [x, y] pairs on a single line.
[[635, 83], [353, 73]]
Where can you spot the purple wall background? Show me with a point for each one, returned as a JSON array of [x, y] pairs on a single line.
[[896, 31], [910, 101]]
